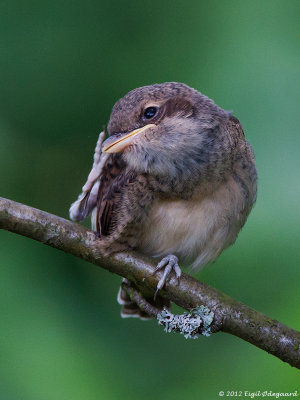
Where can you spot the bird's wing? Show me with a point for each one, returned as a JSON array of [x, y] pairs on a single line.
[[113, 180], [87, 200]]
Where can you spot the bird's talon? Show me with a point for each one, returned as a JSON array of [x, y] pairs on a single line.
[[177, 272], [168, 263], [155, 294]]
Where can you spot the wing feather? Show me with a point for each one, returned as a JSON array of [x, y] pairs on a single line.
[[87, 200], [113, 180]]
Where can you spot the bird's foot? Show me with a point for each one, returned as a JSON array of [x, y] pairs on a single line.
[[169, 264]]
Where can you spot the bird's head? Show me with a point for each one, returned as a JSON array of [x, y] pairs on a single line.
[[166, 129]]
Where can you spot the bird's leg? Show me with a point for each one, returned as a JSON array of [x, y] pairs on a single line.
[[169, 264]]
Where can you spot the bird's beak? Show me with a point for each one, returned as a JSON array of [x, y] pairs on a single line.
[[118, 142]]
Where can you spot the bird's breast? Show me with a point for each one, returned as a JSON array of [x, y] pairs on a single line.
[[196, 230]]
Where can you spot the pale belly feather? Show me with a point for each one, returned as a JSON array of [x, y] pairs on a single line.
[[195, 230]]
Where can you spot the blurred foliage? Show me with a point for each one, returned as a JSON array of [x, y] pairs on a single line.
[[63, 65]]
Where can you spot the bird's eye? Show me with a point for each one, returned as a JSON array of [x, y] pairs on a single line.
[[150, 112]]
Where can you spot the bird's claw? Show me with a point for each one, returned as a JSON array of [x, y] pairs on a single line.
[[168, 263]]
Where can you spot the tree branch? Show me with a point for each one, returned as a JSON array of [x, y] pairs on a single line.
[[230, 315]]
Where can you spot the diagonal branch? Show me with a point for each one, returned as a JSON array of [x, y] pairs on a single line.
[[230, 315]]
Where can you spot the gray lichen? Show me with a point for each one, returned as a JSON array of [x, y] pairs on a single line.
[[190, 324]]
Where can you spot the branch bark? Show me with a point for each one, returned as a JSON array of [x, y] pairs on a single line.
[[231, 316]]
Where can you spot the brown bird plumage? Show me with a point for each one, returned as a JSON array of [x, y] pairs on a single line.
[[175, 179]]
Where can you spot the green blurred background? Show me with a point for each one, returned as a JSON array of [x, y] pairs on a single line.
[[63, 65]]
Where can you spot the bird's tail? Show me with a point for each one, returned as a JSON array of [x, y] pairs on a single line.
[[131, 310]]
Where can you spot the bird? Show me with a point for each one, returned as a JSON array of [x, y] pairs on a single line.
[[175, 180]]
